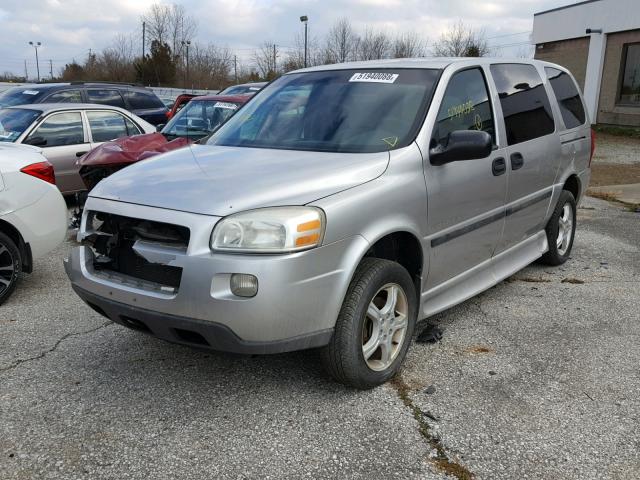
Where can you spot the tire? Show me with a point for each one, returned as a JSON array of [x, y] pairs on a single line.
[[371, 292], [557, 230], [10, 266]]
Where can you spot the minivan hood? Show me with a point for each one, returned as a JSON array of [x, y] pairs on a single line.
[[217, 180]]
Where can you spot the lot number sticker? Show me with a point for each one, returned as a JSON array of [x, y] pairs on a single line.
[[375, 77]]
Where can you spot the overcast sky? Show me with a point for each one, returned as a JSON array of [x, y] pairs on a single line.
[[69, 28]]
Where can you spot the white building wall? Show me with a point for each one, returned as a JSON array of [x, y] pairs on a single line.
[[573, 20]]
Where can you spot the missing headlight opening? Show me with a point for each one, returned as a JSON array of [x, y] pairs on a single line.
[[137, 249]]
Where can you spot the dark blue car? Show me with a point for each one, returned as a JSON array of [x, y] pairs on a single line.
[[139, 100]]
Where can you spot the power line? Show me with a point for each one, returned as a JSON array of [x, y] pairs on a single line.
[[508, 35]]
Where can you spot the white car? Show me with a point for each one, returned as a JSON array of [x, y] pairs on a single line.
[[33, 214]]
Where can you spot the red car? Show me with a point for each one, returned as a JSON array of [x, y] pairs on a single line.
[[180, 102], [199, 118]]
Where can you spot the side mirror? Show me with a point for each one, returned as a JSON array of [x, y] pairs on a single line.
[[36, 141], [462, 145], [160, 126]]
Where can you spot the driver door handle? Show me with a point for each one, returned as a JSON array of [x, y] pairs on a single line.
[[517, 161], [79, 154], [499, 166]]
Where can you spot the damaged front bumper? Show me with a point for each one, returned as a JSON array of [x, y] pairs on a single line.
[[298, 300]]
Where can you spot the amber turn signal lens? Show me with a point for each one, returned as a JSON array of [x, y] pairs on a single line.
[[307, 240]]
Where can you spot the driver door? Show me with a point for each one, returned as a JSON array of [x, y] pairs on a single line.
[[466, 199]]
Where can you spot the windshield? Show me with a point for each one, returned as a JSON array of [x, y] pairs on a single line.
[[354, 111], [19, 96], [199, 118], [240, 89], [14, 121]]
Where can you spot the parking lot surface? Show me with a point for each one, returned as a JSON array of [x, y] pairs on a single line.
[[536, 378]]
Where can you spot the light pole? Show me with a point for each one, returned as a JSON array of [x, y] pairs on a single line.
[[304, 19], [36, 45], [186, 44]]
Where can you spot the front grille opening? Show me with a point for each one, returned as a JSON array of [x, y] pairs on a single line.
[[190, 336], [134, 324], [112, 238], [97, 309]]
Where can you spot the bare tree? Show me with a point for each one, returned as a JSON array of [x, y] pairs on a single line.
[[373, 45], [341, 43], [266, 60], [461, 41], [210, 66], [408, 45], [169, 24]]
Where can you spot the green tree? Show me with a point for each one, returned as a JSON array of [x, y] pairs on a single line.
[[157, 68]]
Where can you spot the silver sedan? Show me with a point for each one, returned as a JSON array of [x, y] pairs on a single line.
[[65, 132]]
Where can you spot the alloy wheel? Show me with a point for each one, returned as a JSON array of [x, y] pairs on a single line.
[[7, 268], [565, 229], [385, 327]]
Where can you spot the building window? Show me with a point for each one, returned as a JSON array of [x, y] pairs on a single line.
[[630, 88]]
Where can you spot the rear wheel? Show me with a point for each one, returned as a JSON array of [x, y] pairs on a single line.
[[560, 230], [10, 266], [375, 325]]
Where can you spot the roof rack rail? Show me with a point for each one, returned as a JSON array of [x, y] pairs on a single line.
[[83, 82]]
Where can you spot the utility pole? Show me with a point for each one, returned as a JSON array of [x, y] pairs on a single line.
[[275, 66], [144, 30], [36, 45], [304, 19], [26, 74], [235, 66], [51, 68], [186, 44]]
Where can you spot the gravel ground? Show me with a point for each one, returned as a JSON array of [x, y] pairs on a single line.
[[536, 378], [616, 149]]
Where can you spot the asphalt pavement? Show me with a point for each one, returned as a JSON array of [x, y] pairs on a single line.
[[538, 377]]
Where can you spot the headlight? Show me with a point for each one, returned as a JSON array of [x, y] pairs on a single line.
[[270, 230]]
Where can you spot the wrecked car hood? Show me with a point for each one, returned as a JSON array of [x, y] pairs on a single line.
[[217, 180]]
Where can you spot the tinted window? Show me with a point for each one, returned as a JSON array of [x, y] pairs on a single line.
[[525, 105], [334, 111], [143, 100], [14, 121], [199, 118], [106, 97], [568, 97], [61, 129], [465, 106], [65, 96], [20, 96], [106, 126], [630, 88]]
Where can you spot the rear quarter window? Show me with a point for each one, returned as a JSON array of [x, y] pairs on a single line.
[[566, 92], [525, 104], [143, 100], [105, 97]]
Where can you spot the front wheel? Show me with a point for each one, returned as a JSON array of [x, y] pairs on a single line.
[[375, 325], [10, 266], [561, 230]]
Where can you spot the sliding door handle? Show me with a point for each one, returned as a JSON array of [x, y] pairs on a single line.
[[499, 166], [517, 161]]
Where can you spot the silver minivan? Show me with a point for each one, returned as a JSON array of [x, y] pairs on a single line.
[[339, 206]]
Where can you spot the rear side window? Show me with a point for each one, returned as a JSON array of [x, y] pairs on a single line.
[[143, 100], [465, 106], [65, 96], [525, 104], [106, 126], [106, 97], [60, 129], [566, 92]]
